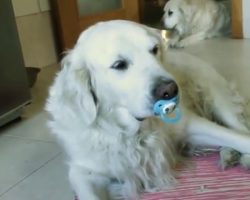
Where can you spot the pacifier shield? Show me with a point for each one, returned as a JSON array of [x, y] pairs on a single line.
[[168, 110]]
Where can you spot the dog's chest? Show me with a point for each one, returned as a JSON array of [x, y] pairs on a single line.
[[123, 156]]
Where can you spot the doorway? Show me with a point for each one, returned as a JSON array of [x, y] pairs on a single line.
[[73, 16]]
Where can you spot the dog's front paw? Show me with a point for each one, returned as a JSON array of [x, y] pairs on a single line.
[[175, 43], [245, 161], [179, 45], [188, 150], [229, 157]]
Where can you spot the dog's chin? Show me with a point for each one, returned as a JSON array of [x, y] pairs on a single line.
[[172, 28], [144, 116], [169, 27], [140, 119]]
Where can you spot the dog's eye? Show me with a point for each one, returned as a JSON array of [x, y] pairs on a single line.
[[120, 65], [154, 50], [170, 12]]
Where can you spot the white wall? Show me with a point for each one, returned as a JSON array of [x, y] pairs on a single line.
[[36, 32], [246, 18]]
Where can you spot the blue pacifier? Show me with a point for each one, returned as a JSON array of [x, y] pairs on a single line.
[[168, 110]]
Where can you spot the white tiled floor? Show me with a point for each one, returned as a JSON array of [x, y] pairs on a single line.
[[32, 164], [47, 182]]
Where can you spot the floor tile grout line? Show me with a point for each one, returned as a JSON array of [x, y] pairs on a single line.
[[29, 138], [30, 174]]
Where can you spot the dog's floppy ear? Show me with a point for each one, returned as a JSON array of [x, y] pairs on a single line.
[[72, 94], [187, 9]]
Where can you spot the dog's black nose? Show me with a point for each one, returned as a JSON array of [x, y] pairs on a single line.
[[165, 90]]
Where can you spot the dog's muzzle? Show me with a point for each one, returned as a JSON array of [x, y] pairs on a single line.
[[164, 89], [166, 98]]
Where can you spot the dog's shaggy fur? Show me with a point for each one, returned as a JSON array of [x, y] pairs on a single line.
[[195, 20], [101, 107]]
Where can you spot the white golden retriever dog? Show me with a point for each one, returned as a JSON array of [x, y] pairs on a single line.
[[101, 105], [195, 20]]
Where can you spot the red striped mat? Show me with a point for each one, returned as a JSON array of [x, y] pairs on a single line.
[[204, 180]]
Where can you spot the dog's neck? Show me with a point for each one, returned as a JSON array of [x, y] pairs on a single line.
[[118, 117]]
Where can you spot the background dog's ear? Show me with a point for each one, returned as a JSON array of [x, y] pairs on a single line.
[[153, 31], [161, 35], [187, 9], [72, 94]]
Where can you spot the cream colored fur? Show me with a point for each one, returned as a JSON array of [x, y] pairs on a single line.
[[95, 109], [195, 20]]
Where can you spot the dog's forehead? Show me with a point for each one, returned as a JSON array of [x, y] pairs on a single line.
[[115, 29], [108, 39], [172, 5]]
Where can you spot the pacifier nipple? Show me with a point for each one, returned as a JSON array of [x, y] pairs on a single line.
[[168, 108]]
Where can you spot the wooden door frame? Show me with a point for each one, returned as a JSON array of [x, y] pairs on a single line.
[[69, 24]]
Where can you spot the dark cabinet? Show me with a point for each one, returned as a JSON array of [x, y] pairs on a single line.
[[14, 90]]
